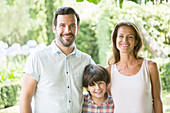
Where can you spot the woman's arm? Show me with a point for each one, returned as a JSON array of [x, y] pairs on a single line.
[[156, 87]]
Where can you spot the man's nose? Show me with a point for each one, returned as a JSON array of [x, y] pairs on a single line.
[[67, 29]]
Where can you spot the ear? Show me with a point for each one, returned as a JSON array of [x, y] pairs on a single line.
[[54, 29], [78, 29]]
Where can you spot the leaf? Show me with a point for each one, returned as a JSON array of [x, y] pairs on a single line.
[[79, 0], [91, 1], [94, 1]]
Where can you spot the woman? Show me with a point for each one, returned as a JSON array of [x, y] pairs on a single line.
[[135, 83]]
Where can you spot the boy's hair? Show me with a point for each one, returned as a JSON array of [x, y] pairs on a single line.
[[94, 73], [65, 11]]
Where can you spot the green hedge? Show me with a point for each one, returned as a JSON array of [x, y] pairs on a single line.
[[9, 94], [164, 65], [86, 40]]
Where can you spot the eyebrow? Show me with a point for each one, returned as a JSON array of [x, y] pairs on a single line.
[[127, 34], [64, 24]]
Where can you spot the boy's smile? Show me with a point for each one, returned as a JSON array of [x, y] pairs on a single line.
[[97, 90]]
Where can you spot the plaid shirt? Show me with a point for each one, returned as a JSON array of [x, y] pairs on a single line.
[[89, 105]]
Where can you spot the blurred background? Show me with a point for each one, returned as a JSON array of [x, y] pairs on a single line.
[[26, 26]]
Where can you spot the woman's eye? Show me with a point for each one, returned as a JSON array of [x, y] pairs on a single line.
[[131, 37]]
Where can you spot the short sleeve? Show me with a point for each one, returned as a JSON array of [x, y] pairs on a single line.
[[92, 61], [32, 66]]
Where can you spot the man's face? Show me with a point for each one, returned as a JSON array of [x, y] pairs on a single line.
[[66, 30]]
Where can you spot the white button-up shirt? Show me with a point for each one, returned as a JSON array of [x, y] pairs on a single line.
[[59, 79]]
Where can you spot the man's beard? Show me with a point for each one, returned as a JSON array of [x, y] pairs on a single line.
[[60, 38]]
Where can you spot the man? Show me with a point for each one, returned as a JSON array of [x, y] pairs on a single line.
[[53, 76]]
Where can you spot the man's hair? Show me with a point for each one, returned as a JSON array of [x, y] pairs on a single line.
[[94, 73], [65, 11]]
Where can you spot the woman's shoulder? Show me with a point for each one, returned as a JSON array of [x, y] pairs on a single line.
[[108, 68], [151, 63]]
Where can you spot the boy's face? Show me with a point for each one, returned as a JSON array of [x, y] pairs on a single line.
[[97, 90]]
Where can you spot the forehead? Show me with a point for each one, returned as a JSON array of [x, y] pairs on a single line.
[[70, 18], [126, 29]]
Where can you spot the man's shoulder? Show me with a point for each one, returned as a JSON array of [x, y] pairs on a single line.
[[110, 100], [86, 96], [40, 52], [83, 54]]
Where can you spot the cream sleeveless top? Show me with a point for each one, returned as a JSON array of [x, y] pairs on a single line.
[[132, 94]]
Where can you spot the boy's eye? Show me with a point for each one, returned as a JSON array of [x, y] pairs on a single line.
[[100, 82], [91, 84]]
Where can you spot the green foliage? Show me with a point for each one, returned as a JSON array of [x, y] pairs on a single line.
[[155, 20], [165, 75], [103, 34], [50, 13], [10, 76], [164, 66], [86, 40], [14, 21], [11, 69], [166, 102], [91, 1], [9, 94]]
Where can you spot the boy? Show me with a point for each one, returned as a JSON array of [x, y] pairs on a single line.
[[96, 80]]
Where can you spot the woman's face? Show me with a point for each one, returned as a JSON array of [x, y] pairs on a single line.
[[125, 40]]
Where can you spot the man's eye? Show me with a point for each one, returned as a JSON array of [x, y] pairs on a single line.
[[73, 25]]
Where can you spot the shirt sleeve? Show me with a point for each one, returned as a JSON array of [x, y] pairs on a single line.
[[32, 66], [92, 61]]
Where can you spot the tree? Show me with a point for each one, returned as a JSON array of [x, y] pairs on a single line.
[[119, 3]]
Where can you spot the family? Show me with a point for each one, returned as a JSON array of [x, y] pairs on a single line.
[[54, 77]]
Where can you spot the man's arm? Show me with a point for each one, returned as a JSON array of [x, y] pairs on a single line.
[[27, 92], [156, 87]]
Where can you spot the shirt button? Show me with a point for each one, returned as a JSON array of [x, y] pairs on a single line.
[[69, 101], [67, 72], [67, 86]]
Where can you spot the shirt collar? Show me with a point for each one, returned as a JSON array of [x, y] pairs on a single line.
[[56, 49], [91, 101]]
